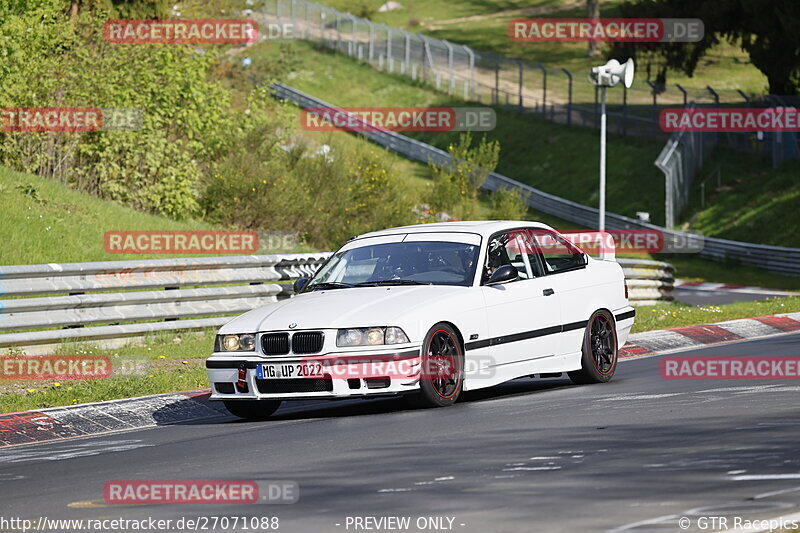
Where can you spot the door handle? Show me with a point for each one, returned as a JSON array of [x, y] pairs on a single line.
[[548, 292]]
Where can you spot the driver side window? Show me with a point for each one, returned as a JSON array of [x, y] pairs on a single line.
[[508, 249]]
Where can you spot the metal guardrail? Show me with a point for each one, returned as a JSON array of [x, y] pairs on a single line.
[[773, 258], [114, 301], [54, 303]]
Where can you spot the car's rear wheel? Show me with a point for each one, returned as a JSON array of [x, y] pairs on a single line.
[[442, 369], [252, 409], [599, 360]]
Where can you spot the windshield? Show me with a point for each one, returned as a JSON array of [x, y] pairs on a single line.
[[399, 263]]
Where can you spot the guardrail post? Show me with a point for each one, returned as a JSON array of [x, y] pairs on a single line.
[[389, 57], [371, 39]]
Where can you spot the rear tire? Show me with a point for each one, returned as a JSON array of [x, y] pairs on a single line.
[[599, 359], [442, 369], [252, 409]]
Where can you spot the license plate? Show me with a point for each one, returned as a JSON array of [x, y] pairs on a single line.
[[289, 370]]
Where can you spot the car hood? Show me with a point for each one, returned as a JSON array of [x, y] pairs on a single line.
[[342, 308]]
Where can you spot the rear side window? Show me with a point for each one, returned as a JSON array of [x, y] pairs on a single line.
[[558, 253]]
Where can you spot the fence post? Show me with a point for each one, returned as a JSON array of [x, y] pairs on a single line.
[[452, 84], [408, 51], [624, 109], [370, 53], [521, 66], [544, 88], [389, 57], [496, 98], [569, 101], [471, 71], [655, 105], [714, 94], [685, 96], [746, 99]]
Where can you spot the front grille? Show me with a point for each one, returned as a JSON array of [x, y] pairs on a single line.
[[275, 343], [280, 386], [307, 342]]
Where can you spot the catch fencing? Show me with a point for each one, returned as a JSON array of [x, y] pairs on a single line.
[[110, 303]]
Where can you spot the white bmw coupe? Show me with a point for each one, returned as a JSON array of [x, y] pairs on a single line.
[[428, 311]]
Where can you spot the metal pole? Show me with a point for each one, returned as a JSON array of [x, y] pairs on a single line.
[[569, 101], [450, 66], [521, 71], [714, 94], [371, 39], [685, 97], [602, 222], [544, 88], [471, 70], [746, 99], [496, 82], [408, 52]]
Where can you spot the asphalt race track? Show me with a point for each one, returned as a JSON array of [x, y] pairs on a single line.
[[533, 455]]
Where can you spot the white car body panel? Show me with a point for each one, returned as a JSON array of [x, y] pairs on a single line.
[[508, 331]]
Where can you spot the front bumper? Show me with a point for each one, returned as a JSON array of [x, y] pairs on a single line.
[[376, 372]]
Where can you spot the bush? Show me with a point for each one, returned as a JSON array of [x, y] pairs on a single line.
[[275, 181], [456, 184], [509, 204]]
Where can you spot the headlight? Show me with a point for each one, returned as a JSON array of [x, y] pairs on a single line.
[[240, 342], [370, 336]]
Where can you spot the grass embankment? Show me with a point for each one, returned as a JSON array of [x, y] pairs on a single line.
[[168, 367], [45, 222]]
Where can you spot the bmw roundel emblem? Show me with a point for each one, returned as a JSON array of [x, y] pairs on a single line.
[[293, 325]]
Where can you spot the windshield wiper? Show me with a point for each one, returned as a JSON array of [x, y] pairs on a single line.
[[331, 285], [390, 282]]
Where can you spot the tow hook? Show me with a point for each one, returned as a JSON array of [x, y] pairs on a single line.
[[241, 383]]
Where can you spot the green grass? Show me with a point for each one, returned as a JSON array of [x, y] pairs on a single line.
[[673, 315], [45, 221], [160, 368], [167, 367], [726, 67]]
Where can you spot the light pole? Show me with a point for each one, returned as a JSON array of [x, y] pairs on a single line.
[[608, 76]]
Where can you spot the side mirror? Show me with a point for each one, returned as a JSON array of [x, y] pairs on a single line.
[[504, 274], [300, 284]]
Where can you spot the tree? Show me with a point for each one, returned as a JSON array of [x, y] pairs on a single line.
[[766, 29]]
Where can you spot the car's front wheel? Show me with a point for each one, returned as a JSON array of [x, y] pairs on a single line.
[[599, 360], [252, 409], [442, 369]]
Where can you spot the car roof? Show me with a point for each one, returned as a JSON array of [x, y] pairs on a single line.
[[480, 227]]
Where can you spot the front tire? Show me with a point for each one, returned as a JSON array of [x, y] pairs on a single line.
[[442, 368], [252, 409], [599, 359]]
